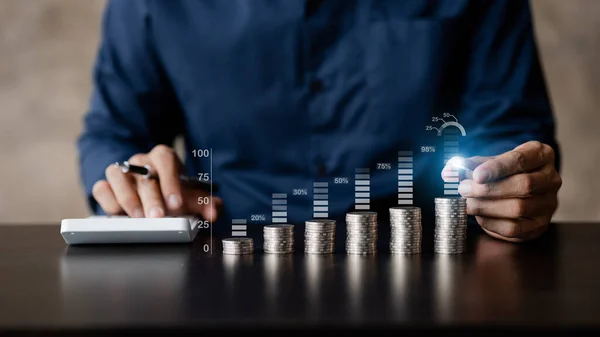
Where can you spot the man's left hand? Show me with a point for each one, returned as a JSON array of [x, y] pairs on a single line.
[[513, 196]]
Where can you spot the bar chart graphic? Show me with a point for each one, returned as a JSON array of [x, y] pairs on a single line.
[[238, 227], [451, 149], [321, 199], [279, 208], [405, 178], [362, 189]]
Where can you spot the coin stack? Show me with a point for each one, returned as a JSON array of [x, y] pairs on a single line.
[[361, 233], [238, 246], [319, 236], [406, 230], [278, 239], [450, 225]]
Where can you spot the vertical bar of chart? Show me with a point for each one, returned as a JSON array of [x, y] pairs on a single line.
[[321, 199], [279, 211], [451, 149], [405, 177], [362, 189], [238, 227]]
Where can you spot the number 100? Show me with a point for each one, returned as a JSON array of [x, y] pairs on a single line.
[[201, 153]]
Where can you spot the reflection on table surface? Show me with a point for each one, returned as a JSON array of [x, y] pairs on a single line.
[[175, 283]]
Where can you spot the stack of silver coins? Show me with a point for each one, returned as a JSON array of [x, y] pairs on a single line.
[[278, 239], [238, 246], [319, 236], [450, 234], [406, 230], [361, 233]]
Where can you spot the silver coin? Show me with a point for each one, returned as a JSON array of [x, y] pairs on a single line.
[[449, 251], [364, 236], [320, 230], [275, 246], [447, 230], [320, 222], [238, 240], [361, 226], [361, 252], [279, 226], [406, 231], [449, 247], [279, 242], [324, 247], [311, 232], [238, 248], [449, 243], [320, 253], [237, 244], [278, 235], [450, 199], [319, 239], [450, 230]]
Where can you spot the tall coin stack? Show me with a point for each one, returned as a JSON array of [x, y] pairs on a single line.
[[361, 233], [319, 236], [406, 230], [278, 239], [238, 246], [450, 225]]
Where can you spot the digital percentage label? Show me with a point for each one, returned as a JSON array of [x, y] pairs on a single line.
[[340, 180], [300, 191], [427, 149], [258, 217], [384, 166]]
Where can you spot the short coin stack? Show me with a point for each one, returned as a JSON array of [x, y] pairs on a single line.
[[278, 239], [361, 233], [450, 225], [319, 236], [238, 246], [406, 230]]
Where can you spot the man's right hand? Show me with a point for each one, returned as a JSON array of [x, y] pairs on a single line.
[[138, 197]]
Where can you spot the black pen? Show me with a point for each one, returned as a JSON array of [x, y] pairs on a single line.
[[190, 182]]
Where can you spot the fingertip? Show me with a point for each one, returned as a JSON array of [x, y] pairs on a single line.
[[464, 188], [174, 201], [482, 175]]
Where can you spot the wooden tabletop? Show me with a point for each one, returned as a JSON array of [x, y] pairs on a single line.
[[48, 287]]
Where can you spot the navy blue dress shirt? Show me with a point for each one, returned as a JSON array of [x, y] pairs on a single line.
[[289, 92]]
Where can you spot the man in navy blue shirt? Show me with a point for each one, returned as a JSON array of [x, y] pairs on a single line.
[[289, 92]]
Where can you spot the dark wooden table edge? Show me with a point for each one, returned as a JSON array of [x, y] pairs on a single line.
[[487, 329]]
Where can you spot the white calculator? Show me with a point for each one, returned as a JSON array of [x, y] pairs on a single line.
[[126, 230]]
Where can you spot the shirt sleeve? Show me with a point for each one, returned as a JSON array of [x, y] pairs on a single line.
[[132, 107], [504, 100]]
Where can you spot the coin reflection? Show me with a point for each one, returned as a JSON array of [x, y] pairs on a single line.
[[232, 264], [405, 279], [359, 268], [277, 267], [447, 269], [316, 266]]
